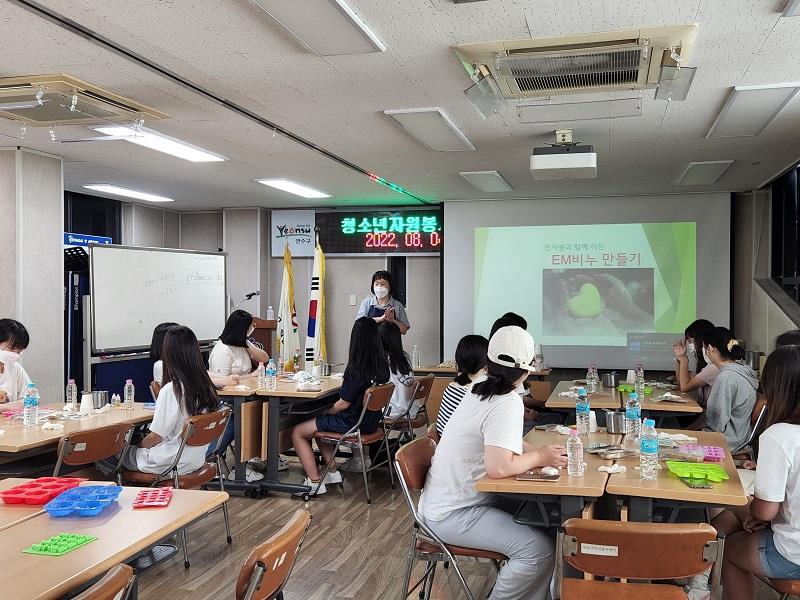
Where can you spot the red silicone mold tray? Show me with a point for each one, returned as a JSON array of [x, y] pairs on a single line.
[[39, 491]]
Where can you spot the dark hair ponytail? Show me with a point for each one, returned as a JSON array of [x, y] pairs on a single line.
[[722, 339], [501, 380], [392, 342], [470, 357], [185, 369]]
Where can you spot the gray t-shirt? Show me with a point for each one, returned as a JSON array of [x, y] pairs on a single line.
[[370, 301], [730, 403]]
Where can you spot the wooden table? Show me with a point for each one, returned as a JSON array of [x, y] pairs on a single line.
[[569, 493], [601, 399], [256, 429], [19, 439], [669, 491], [121, 534], [450, 370], [691, 405]]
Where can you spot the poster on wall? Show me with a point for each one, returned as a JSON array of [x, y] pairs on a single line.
[[295, 228]]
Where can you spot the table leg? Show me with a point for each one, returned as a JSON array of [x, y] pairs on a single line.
[[270, 481]]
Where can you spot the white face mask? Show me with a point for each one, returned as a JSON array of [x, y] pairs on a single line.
[[8, 358], [706, 358], [380, 291]]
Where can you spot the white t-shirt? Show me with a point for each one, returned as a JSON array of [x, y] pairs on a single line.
[[402, 395], [158, 371], [168, 421], [778, 480], [229, 360], [14, 381], [458, 461]]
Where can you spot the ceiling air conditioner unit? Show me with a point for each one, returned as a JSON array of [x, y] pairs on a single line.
[[597, 62], [47, 100]]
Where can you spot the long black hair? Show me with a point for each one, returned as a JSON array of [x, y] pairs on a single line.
[[501, 380], [366, 360], [470, 357], [392, 342], [697, 331], [780, 382], [158, 340], [507, 320], [236, 328], [14, 333], [722, 339], [185, 368]]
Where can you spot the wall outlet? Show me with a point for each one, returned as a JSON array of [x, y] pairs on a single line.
[[352, 300]]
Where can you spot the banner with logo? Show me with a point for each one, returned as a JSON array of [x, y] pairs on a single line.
[[294, 228]]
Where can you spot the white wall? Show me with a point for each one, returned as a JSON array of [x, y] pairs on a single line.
[[201, 231], [767, 321], [150, 226]]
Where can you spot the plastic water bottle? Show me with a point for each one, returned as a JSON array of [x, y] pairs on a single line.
[[128, 394], [261, 377], [591, 379], [633, 421], [270, 314], [582, 412], [271, 376], [415, 357], [297, 368], [648, 451], [71, 395], [639, 382], [575, 466], [30, 406]]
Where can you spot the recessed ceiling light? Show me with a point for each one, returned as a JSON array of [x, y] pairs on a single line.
[[487, 181], [432, 128], [750, 108], [298, 189], [704, 173], [160, 142], [792, 9], [326, 27], [107, 188]]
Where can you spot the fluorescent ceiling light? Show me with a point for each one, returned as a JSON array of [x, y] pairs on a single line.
[[326, 27], [161, 143], [792, 9], [107, 188], [432, 128], [704, 173], [298, 189], [750, 108], [487, 181]]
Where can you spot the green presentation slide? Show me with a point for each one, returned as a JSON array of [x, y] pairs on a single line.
[[588, 285]]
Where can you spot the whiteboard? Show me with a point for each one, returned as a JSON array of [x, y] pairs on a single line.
[[135, 289]]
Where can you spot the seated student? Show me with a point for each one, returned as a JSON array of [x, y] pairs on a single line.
[[187, 391], [690, 352], [484, 438], [234, 354], [14, 380], [763, 538], [400, 373], [366, 366], [471, 364], [733, 394]]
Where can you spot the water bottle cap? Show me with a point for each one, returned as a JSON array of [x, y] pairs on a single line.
[[71, 381], [127, 381], [633, 396], [573, 432], [649, 423], [31, 385]]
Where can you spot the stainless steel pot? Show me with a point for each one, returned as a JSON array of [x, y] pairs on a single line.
[[610, 380], [615, 421], [753, 359], [99, 399]]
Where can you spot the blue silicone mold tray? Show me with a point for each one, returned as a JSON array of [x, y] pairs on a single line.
[[86, 501]]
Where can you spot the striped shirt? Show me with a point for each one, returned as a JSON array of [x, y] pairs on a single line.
[[451, 398]]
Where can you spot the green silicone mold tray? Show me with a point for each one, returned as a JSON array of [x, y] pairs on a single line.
[[60, 544], [699, 471]]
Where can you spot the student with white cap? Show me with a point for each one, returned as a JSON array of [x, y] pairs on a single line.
[[484, 437]]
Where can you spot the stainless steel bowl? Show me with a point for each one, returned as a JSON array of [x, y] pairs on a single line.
[[610, 380], [615, 421], [99, 398]]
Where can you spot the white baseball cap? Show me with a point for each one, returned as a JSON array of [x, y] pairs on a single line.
[[515, 345]]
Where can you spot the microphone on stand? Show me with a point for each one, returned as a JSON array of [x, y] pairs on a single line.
[[248, 297]]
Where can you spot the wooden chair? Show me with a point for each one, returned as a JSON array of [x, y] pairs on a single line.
[[432, 433], [405, 423], [435, 398], [375, 399], [117, 584], [267, 568], [785, 587], [757, 419], [200, 430], [412, 462], [87, 447], [635, 551]]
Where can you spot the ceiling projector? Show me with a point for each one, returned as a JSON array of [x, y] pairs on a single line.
[[564, 159]]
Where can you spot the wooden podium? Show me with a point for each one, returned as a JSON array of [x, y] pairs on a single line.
[[263, 333]]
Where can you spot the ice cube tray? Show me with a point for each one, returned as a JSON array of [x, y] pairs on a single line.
[[713, 454], [39, 491], [627, 388], [86, 501], [60, 544], [697, 471], [153, 497]]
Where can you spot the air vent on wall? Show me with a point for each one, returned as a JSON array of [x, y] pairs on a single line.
[[64, 100], [619, 60]]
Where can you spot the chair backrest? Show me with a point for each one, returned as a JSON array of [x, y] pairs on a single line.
[[203, 429], [631, 550], [432, 433], [91, 445], [424, 387], [267, 568], [155, 388], [759, 411], [435, 397], [378, 396], [414, 460], [119, 579]]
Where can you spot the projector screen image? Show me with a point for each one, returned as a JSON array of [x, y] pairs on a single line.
[[611, 294]]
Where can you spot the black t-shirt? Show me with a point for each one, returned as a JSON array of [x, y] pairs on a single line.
[[352, 391]]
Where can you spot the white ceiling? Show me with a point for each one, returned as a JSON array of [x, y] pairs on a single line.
[[232, 48]]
